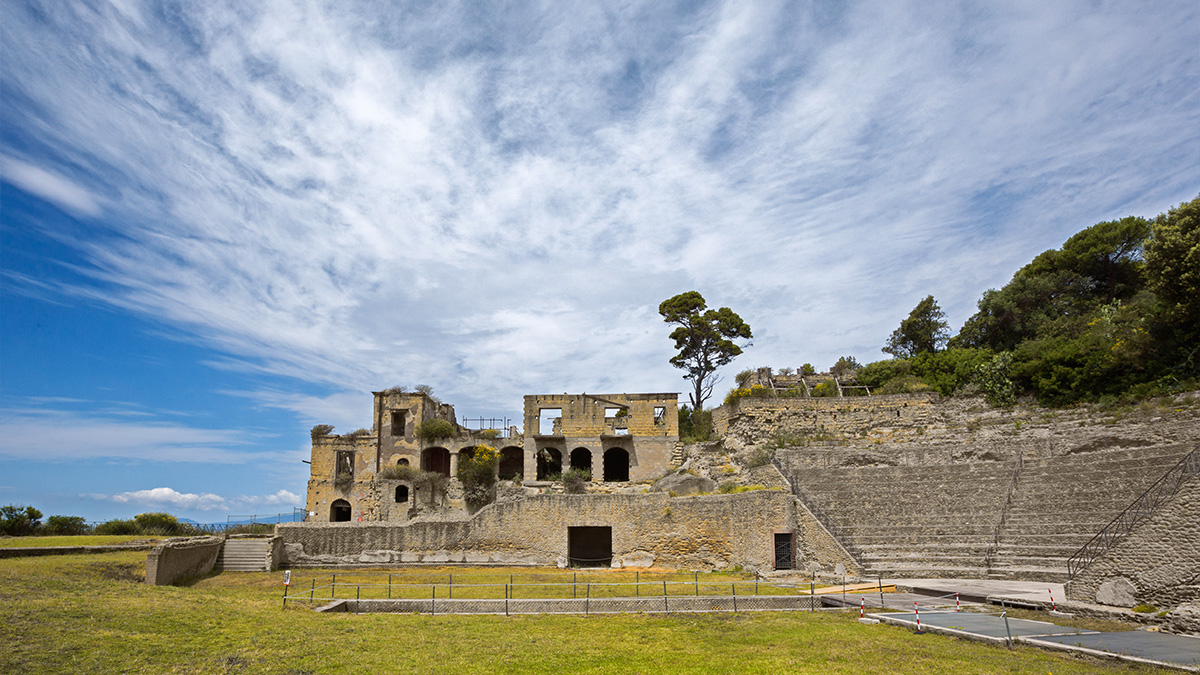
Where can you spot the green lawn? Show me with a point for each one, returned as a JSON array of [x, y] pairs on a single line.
[[91, 614], [79, 540]]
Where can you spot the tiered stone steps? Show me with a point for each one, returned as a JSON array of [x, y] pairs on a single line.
[[245, 555], [1062, 502], [940, 520]]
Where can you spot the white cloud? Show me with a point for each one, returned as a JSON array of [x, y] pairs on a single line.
[[496, 204], [49, 186], [166, 497]]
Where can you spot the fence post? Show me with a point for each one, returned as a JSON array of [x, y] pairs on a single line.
[[432, 598], [1004, 613], [587, 603], [733, 587], [333, 587], [812, 596], [881, 605], [312, 590], [637, 583], [389, 587]]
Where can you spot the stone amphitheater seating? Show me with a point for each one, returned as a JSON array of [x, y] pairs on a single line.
[[940, 520]]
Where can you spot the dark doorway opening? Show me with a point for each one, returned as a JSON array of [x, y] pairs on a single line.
[[785, 550], [549, 463], [339, 511], [401, 493], [512, 463], [589, 546], [616, 465], [436, 460], [581, 458]]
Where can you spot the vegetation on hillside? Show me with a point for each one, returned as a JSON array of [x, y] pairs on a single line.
[[1114, 313]]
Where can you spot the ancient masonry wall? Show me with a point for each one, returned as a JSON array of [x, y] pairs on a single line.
[[175, 559], [702, 532], [1158, 563], [751, 421]]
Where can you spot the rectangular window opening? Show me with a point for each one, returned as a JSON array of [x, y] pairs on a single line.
[[398, 422], [550, 421]]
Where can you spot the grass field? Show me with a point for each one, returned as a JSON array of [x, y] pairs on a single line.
[[91, 614], [81, 540]]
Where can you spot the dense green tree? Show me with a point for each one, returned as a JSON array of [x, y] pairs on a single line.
[[844, 366], [1094, 267], [948, 370], [1173, 274], [924, 331], [65, 525], [705, 340], [16, 521]]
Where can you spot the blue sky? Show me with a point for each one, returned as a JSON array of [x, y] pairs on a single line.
[[223, 223]]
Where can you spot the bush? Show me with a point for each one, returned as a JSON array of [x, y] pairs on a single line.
[[575, 481], [477, 473], [436, 429], [904, 385], [947, 371], [157, 523], [807, 369], [430, 481], [760, 456], [993, 378], [695, 426], [343, 479], [65, 525], [16, 521], [117, 526], [825, 389], [398, 472], [880, 372], [361, 432], [321, 430]]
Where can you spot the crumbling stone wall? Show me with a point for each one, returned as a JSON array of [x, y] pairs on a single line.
[[701, 532], [178, 558], [1158, 563], [753, 420]]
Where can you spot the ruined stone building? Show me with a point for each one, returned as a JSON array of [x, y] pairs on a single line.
[[617, 438]]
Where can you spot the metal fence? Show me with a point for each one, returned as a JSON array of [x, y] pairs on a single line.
[[554, 596], [1141, 508]]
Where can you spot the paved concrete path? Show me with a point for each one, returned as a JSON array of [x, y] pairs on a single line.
[[1179, 651], [980, 590]]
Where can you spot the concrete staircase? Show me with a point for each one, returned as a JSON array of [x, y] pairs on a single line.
[[246, 555]]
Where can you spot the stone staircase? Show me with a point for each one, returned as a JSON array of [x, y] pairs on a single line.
[[246, 555], [1062, 502], [940, 520]]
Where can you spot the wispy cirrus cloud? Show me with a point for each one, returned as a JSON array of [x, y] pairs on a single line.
[[357, 195]]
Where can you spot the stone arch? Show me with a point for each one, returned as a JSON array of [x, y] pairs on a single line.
[[512, 463], [339, 511], [581, 458], [401, 493], [436, 460], [549, 463], [616, 465]]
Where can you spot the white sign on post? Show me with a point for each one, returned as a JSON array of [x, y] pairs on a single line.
[[287, 577]]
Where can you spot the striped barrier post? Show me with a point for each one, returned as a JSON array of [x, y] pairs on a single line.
[[862, 607], [917, 611], [1053, 607], [957, 604]]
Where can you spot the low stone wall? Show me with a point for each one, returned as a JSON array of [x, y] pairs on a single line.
[[1158, 563], [700, 532], [175, 559], [33, 551]]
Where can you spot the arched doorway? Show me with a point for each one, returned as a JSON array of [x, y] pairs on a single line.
[[436, 460], [401, 493], [616, 465], [549, 463], [512, 463], [339, 511], [581, 458]]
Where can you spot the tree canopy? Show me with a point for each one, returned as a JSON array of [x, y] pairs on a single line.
[[705, 340], [924, 331]]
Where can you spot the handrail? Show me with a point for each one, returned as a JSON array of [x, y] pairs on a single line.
[[1012, 484], [1143, 506], [821, 516]]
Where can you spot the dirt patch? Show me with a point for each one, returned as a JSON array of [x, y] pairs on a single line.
[[130, 572]]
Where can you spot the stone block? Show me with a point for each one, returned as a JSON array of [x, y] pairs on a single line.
[[1118, 592]]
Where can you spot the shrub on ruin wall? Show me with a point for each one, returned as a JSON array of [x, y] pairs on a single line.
[[435, 429], [321, 430], [477, 473], [398, 472], [575, 481], [430, 481]]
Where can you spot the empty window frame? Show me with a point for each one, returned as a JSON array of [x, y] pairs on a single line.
[[550, 422], [344, 466], [399, 422]]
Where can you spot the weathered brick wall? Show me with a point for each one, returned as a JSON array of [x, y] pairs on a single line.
[[752, 420], [175, 559], [711, 531], [1160, 557]]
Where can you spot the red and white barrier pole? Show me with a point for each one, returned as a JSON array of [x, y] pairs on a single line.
[[957, 604], [917, 611], [862, 607], [1053, 607]]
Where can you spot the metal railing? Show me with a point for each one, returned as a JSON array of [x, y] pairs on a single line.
[[1142, 507], [821, 516], [994, 547]]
